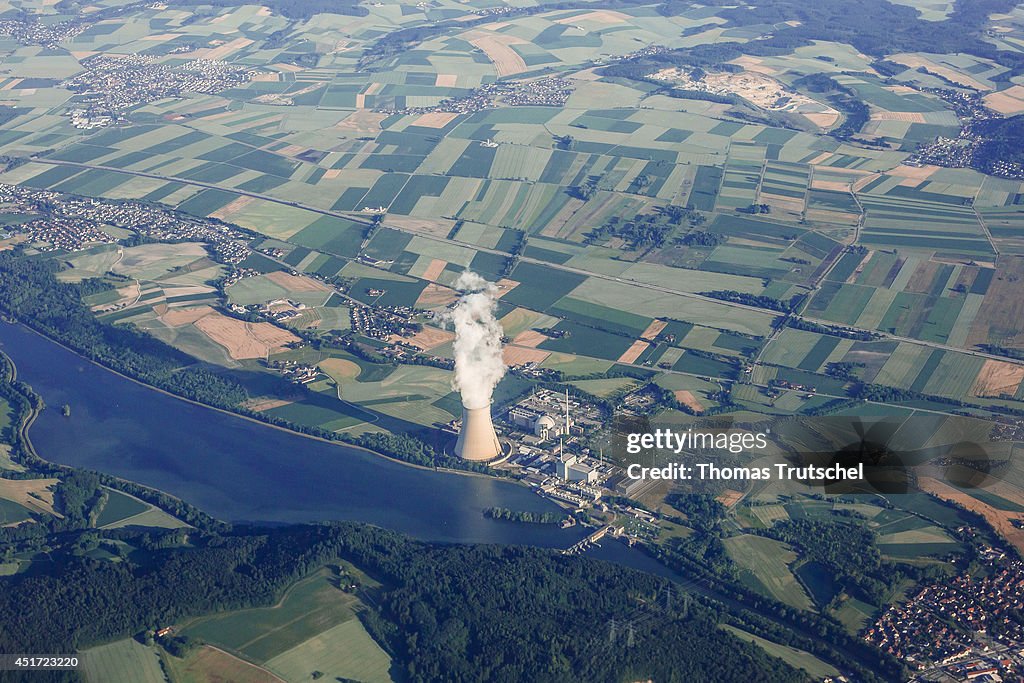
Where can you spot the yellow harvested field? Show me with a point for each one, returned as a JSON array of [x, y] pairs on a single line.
[[505, 286], [998, 377], [520, 355], [222, 51], [438, 227], [244, 340], [823, 119], [728, 497], [297, 283], [176, 317], [917, 173], [859, 185], [428, 338], [915, 61], [435, 269], [654, 329], [35, 494], [1009, 101], [909, 116], [446, 81], [226, 212], [340, 369], [634, 351], [436, 119], [497, 47], [753, 63], [689, 400], [833, 185], [1000, 520], [361, 121], [434, 295], [529, 338], [601, 16]]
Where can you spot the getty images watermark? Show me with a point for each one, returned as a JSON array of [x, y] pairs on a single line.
[[833, 453]]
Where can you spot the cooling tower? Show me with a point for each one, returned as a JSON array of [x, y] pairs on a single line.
[[477, 440]]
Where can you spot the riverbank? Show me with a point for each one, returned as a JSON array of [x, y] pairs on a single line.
[[237, 471], [249, 418]]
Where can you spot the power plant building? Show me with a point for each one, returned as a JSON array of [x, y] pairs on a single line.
[[569, 468], [540, 424]]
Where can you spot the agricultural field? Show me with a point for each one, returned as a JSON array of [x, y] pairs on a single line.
[[797, 658], [307, 154], [124, 660], [765, 564], [346, 651], [309, 609], [734, 212], [208, 664]]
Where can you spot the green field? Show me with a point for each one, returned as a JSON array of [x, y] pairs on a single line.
[[798, 659], [344, 651], [765, 562], [13, 513], [307, 609], [124, 660], [119, 507]]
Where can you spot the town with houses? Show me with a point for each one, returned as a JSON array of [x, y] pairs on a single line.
[[59, 221], [549, 91], [113, 85], [962, 151], [964, 628]]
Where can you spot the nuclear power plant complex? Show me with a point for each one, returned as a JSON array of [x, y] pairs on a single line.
[[477, 440]]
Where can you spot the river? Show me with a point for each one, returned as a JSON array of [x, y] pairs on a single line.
[[243, 471]]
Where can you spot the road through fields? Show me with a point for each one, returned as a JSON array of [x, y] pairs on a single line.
[[526, 259]]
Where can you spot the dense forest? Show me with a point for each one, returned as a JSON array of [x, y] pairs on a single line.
[[457, 613], [875, 27]]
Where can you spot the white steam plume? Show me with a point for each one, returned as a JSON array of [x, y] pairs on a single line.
[[478, 362]]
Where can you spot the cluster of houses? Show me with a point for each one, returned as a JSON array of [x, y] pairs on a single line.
[[968, 626], [60, 233], [549, 91], [34, 32], [380, 322], [71, 222], [298, 373], [112, 85], [959, 152]]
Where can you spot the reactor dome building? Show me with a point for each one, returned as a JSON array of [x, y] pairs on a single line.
[[477, 440]]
